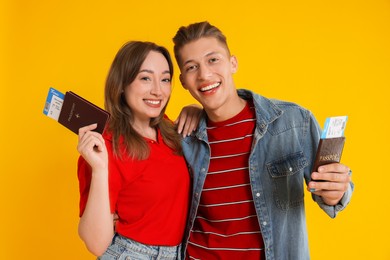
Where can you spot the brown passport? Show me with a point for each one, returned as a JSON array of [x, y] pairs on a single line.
[[329, 151], [77, 112]]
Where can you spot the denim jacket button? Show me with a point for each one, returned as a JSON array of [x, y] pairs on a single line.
[[264, 223], [258, 194]]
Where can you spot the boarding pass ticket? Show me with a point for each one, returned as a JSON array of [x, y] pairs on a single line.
[[53, 104], [334, 127]]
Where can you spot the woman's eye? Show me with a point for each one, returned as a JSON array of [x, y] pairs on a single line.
[[145, 78], [167, 80]]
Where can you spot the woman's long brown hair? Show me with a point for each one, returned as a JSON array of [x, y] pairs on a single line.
[[123, 71]]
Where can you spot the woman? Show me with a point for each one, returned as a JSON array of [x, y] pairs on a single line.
[[135, 170]]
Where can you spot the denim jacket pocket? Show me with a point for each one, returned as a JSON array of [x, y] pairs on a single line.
[[287, 178]]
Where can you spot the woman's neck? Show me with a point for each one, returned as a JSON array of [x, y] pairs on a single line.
[[145, 130]]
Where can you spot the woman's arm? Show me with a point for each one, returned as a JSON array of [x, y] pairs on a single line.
[[96, 222]]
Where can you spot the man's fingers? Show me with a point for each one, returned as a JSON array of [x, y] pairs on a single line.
[[180, 121], [334, 167]]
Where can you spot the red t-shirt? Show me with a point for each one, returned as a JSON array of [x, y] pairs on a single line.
[[226, 224], [150, 196]]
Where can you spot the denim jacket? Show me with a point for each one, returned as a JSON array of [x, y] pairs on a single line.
[[283, 150]]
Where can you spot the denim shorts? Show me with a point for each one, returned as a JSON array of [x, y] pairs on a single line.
[[123, 248]]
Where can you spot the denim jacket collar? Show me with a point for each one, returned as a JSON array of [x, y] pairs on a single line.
[[266, 113]]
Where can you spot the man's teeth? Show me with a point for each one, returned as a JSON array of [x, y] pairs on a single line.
[[153, 102], [210, 87]]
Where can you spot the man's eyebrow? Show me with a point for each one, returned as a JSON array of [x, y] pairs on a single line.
[[212, 53], [207, 55], [188, 61]]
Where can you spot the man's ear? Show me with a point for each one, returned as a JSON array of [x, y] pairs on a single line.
[[234, 63], [182, 81]]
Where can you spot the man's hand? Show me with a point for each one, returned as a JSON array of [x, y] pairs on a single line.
[[335, 180], [188, 119]]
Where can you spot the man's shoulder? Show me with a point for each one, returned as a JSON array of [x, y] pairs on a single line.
[[287, 105], [265, 103], [293, 113]]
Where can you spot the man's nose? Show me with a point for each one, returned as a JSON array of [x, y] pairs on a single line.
[[204, 72]]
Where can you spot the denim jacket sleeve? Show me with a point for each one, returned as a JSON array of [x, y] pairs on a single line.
[[332, 211]]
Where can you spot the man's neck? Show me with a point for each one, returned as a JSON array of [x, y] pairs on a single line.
[[226, 112]]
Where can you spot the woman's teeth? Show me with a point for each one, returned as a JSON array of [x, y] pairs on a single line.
[[153, 102]]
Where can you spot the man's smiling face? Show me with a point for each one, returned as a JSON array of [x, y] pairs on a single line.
[[206, 72]]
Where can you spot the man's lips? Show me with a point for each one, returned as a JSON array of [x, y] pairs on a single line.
[[210, 87]]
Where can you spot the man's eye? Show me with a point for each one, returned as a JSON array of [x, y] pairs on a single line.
[[213, 60], [190, 68]]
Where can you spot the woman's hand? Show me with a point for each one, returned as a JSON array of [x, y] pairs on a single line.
[[92, 147]]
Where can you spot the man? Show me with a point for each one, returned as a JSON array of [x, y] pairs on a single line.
[[249, 158]]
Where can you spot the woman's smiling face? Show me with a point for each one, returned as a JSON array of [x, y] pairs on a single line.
[[149, 93]]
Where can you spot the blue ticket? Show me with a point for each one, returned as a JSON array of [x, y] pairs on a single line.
[[53, 104], [334, 127]]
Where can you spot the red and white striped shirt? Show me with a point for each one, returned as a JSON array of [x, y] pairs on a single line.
[[226, 225]]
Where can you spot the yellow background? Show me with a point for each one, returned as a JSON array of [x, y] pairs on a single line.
[[332, 57]]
